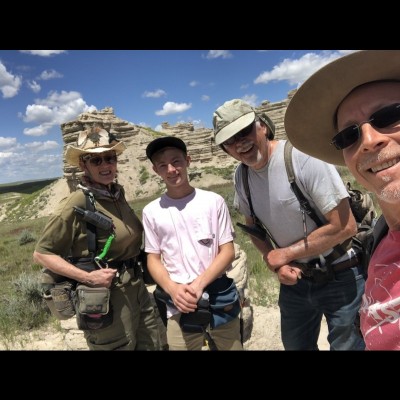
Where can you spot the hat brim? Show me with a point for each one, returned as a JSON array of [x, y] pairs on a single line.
[[234, 127], [310, 116], [73, 154]]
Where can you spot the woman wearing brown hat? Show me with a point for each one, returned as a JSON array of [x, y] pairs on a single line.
[[131, 322]]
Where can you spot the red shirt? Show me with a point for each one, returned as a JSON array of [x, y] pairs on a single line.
[[380, 309]]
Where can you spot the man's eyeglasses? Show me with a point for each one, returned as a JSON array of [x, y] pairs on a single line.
[[98, 160], [241, 134], [386, 117]]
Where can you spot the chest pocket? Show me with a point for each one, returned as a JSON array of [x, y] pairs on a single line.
[[203, 232]]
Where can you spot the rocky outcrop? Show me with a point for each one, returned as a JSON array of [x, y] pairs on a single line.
[[135, 171]]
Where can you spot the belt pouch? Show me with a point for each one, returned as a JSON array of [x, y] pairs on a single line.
[[93, 309], [61, 299]]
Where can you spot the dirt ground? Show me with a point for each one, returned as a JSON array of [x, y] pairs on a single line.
[[265, 335]]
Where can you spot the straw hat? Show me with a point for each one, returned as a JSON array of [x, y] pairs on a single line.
[[93, 141], [310, 116]]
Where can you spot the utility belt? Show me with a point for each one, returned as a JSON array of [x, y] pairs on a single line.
[[318, 272], [88, 264], [125, 264], [66, 297]]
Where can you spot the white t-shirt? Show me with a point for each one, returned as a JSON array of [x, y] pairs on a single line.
[[276, 205], [187, 232]]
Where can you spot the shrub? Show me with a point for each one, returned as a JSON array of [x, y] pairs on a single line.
[[24, 308], [26, 237]]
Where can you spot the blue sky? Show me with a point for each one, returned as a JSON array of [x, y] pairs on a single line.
[[41, 89]]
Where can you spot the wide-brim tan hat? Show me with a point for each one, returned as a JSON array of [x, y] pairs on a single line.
[[93, 142], [310, 116]]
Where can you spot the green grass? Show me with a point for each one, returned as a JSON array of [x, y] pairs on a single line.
[[25, 187], [21, 305]]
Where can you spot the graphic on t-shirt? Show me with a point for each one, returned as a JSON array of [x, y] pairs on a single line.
[[381, 312]]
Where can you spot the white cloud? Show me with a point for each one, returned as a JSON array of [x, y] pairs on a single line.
[[6, 157], [219, 54], [34, 86], [204, 97], [198, 123], [173, 108], [9, 83], [156, 94], [39, 130], [7, 142], [42, 146], [50, 74], [297, 71], [38, 113], [55, 109], [251, 99], [43, 53], [158, 128], [194, 83], [244, 86], [28, 161]]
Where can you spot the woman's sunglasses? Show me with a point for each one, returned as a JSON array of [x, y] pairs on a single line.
[[98, 160], [241, 134], [386, 117]]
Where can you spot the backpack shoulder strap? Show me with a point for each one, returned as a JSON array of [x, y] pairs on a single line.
[[256, 221], [304, 203], [91, 229], [245, 180], [380, 230]]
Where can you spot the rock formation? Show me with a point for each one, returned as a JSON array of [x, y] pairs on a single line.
[[135, 171]]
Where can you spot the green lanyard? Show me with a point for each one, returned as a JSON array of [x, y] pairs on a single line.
[[99, 259]]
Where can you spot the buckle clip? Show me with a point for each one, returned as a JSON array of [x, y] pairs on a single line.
[[100, 262]]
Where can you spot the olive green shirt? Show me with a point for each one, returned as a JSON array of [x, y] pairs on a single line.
[[65, 233]]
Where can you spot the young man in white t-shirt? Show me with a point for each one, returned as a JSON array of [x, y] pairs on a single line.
[[189, 241]]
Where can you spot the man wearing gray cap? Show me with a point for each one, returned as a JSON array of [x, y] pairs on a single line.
[[315, 279], [348, 113]]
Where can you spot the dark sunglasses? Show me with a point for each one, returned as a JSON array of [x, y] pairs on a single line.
[[386, 117], [241, 134], [98, 160]]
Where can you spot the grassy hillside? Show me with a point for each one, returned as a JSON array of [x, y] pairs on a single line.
[[21, 305], [27, 187]]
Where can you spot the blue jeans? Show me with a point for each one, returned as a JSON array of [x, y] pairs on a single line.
[[302, 306]]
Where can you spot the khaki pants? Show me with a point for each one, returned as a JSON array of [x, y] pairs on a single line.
[[134, 325], [226, 337]]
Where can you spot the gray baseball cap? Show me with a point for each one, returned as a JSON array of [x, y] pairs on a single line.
[[231, 118], [235, 115]]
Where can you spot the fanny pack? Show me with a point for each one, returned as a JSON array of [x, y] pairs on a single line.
[[224, 301], [92, 306], [224, 306], [196, 321]]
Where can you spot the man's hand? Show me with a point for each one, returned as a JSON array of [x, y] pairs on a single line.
[[276, 258], [288, 275]]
